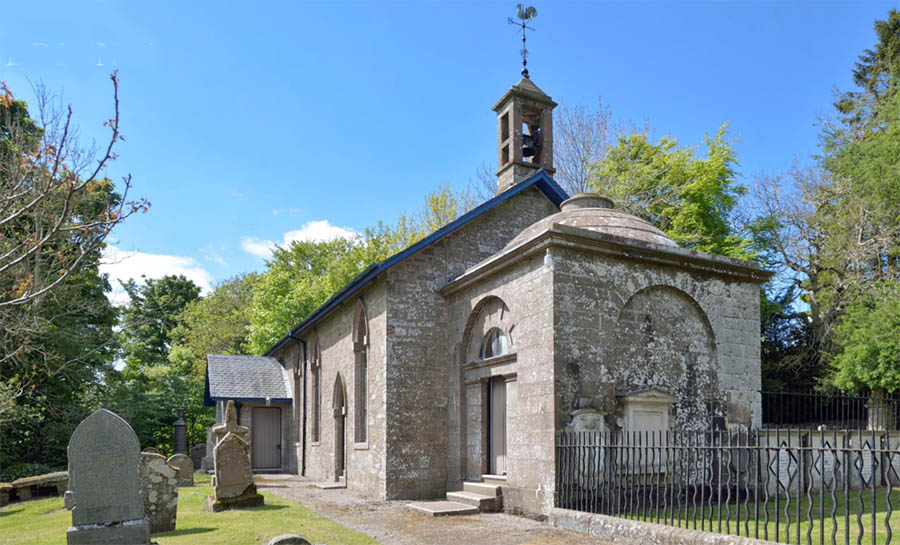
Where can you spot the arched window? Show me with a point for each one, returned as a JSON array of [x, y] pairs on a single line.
[[361, 374], [316, 373], [494, 344]]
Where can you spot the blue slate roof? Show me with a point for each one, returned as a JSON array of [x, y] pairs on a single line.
[[540, 180], [245, 378]]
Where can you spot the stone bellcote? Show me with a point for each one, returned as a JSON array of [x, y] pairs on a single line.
[[524, 134]]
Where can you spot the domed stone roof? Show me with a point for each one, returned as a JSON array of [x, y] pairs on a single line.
[[595, 213]]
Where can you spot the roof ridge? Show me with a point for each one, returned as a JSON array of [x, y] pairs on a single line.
[[541, 179]]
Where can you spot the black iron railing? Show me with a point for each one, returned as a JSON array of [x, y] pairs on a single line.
[[832, 410], [789, 486]]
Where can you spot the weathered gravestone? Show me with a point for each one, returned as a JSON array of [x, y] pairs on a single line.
[[206, 464], [159, 490], [198, 452], [288, 540], [231, 425], [103, 483], [185, 468], [151, 450], [234, 476]]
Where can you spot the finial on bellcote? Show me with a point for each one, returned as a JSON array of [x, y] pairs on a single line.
[[524, 15]]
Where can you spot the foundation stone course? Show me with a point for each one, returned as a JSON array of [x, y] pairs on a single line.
[[103, 455], [159, 490]]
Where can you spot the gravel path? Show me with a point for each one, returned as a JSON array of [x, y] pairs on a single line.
[[391, 523]]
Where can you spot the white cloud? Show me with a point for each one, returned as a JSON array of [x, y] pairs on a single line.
[[312, 231], [258, 247], [124, 265]]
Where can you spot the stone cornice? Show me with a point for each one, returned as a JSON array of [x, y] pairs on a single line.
[[583, 240]]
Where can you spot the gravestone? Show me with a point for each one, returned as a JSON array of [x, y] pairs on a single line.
[[103, 483], [288, 540], [159, 490], [234, 476], [206, 464], [185, 468], [151, 450], [198, 452], [230, 425]]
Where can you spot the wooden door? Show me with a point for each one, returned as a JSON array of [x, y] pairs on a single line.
[[497, 427], [266, 438]]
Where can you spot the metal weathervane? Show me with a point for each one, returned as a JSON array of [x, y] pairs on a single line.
[[525, 15]]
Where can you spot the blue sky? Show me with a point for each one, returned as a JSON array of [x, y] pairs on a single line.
[[248, 123]]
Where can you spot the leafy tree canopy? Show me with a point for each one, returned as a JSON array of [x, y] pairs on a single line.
[[689, 198], [304, 275], [152, 313]]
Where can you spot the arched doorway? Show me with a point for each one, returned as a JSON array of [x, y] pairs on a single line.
[[339, 405]]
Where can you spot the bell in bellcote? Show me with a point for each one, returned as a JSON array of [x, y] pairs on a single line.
[[531, 143]]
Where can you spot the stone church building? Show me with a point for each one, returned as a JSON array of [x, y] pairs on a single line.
[[460, 358]]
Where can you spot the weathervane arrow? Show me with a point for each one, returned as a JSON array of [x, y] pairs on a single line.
[[524, 15]]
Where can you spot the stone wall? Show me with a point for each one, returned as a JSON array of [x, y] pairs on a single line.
[[623, 324], [527, 317], [365, 461], [421, 346]]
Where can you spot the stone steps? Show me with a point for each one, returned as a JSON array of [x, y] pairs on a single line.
[[485, 504], [442, 508], [330, 485], [475, 497], [482, 488]]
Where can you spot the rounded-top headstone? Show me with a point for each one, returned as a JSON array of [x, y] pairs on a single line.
[[288, 540], [185, 468], [151, 450], [103, 454]]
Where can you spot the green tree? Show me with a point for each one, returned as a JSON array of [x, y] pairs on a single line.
[[152, 313], [150, 387], [216, 324], [866, 343], [692, 199], [304, 275], [861, 214]]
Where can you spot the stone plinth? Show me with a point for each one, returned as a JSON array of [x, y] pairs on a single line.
[[26, 485], [159, 490], [185, 468], [103, 457], [5, 489], [234, 476]]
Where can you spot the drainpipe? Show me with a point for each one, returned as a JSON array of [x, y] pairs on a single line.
[[303, 405]]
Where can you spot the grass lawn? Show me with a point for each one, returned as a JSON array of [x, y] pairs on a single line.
[[787, 528], [44, 522]]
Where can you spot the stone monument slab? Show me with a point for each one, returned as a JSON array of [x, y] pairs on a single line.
[[198, 452], [185, 468], [103, 456], [231, 425], [159, 490], [234, 475]]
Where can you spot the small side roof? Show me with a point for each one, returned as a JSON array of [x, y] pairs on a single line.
[[245, 378], [540, 180]]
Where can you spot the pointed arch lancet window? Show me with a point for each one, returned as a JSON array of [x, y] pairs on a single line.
[[361, 374], [494, 344]]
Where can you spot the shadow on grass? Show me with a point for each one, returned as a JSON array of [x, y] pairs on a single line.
[[185, 532], [10, 511], [269, 507]]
